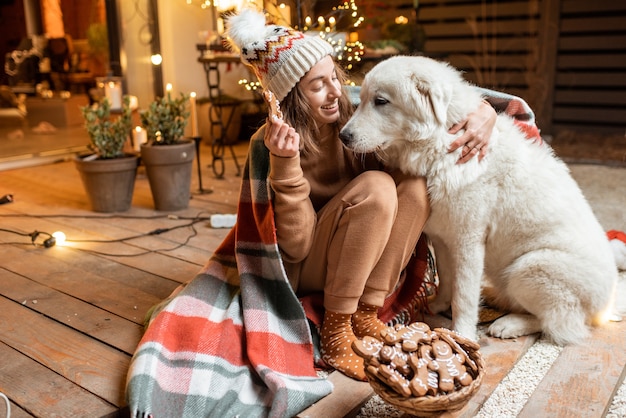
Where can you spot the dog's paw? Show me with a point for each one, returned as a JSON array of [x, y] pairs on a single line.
[[468, 331], [514, 325]]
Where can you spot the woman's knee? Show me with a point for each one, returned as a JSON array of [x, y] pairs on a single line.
[[380, 191], [413, 191]]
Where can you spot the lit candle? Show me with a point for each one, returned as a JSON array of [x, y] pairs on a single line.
[[331, 22], [168, 88], [140, 136], [307, 22], [113, 92], [133, 103], [194, 114]]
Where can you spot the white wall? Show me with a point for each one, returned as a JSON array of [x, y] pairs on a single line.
[[181, 26]]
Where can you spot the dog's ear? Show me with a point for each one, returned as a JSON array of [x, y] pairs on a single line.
[[438, 96]]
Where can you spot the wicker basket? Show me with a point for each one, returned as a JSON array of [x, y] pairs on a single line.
[[427, 406]]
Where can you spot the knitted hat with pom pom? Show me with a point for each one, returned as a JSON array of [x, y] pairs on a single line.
[[280, 56]]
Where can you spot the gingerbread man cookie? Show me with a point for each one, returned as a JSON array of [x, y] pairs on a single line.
[[411, 336], [444, 334], [424, 380], [394, 379], [449, 365], [394, 356], [368, 347], [273, 104]]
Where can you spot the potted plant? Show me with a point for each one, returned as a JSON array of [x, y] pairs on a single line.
[[168, 156], [108, 173]]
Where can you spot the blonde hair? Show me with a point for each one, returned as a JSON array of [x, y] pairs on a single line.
[[296, 112]]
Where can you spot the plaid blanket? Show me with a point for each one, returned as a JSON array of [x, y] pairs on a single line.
[[517, 108], [236, 341]]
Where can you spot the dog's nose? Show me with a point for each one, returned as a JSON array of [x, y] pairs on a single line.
[[345, 136]]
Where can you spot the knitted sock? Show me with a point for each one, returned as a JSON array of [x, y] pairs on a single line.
[[336, 345], [365, 321]]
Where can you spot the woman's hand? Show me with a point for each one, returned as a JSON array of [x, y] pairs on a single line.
[[478, 128], [281, 139]]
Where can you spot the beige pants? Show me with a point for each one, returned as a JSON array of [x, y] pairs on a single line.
[[364, 238]]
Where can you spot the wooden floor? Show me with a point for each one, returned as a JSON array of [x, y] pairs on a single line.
[[71, 316]]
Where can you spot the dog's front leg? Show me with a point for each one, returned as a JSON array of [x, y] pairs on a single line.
[[469, 262]]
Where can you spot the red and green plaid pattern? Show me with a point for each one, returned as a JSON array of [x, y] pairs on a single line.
[[234, 341]]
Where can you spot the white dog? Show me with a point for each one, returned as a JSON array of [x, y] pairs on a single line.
[[517, 217]]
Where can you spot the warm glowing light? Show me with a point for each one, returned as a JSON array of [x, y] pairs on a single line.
[[402, 20], [156, 59], [168, 87], [59, 237]]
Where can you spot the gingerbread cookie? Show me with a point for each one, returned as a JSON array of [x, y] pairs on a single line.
[[414, 360], [445, 335], [394, 356], [368, 347], [424, 380], [409, 335], [449, 365], [273, 104], [394, 379]]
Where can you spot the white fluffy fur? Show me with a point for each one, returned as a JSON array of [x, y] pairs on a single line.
[[517, 217], [246, 28]]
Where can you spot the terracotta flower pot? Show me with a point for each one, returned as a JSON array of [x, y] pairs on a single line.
[[109, 183], [168, 168]]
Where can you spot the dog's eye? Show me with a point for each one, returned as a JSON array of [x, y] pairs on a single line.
[[379, 101]]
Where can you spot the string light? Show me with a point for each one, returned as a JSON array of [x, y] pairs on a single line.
[[250, 85], [60, 237], [354, 12]]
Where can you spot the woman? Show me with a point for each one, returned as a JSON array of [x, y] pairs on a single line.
[[345, 226]]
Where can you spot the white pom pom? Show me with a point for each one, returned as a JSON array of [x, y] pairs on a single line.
[[245, 28]]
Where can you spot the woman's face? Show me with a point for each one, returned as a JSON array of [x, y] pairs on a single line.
[[322, 90]]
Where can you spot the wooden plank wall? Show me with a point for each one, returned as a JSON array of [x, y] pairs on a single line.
[[567, 58], [590, 84]]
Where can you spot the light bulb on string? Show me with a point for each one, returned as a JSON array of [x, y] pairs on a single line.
[[60, 237]]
